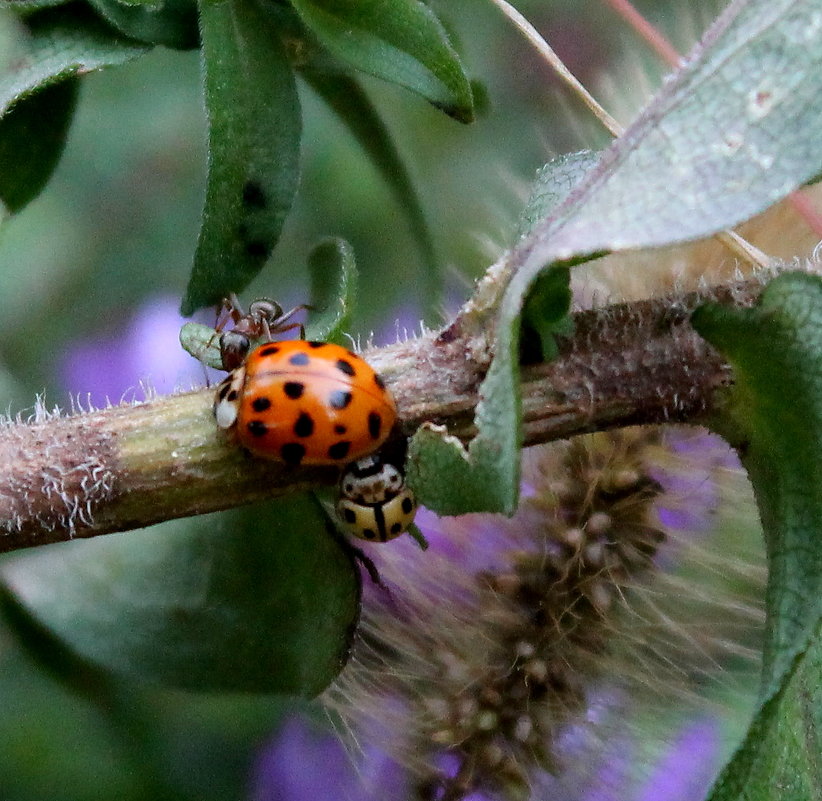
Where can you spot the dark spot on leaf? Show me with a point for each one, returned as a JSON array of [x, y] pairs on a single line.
[[254, 195], [260, 404], [339, 450], [304, 427], [257, 249], [293, 389], [292, 453]]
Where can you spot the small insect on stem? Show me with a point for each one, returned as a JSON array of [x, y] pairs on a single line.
[[264, 319]]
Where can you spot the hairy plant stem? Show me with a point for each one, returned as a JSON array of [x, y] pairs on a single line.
[[130, 466]]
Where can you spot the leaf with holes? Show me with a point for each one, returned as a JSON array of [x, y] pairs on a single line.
[[739, 127]]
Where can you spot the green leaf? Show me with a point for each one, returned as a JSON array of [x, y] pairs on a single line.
[[203, 343], [62, 44], [545, 315], [401, 41], [773, 415], [333, 295], [24, 6], [262, 601], [254, 147], [552, 184], [489, 470], [739, 127], [333, 290], [29, 150], [172, 23], [348, 100], [781, 757]]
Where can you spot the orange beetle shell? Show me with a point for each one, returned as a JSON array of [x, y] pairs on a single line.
[[312, 403]]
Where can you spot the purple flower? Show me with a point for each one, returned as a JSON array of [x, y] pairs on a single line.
[[487, 667], [305, 763], [145, 348], [690, 477], [685, 772]]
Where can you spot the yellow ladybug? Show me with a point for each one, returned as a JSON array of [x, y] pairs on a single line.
[[374, 502]]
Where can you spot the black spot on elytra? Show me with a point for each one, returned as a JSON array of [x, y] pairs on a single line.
[[257, 428], [316, 344], [293, 389], [299, 359], [260, 404], [269, 350], [304, 427], [396, 528], [349, 515], [374, 425], [378, 381], [407, 506], [368, 534], [292, 453], [254, 195], [340, 429], [339, 399], [345, 367], [339, 450]]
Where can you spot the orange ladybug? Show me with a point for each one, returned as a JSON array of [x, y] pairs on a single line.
[[306, 403]]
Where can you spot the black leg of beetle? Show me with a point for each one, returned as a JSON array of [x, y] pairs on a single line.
[[368, 565], [353, 551]]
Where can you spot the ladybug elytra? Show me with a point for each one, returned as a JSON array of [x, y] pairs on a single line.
[[374, 502], [306, 403]]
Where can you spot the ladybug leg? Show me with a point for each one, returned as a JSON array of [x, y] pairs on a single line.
[[368, 565]]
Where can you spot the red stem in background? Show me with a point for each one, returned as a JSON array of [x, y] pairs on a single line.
[[666, 51], [806, 209]]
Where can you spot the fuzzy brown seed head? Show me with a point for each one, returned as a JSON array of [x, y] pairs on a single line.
[[492, 665]]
